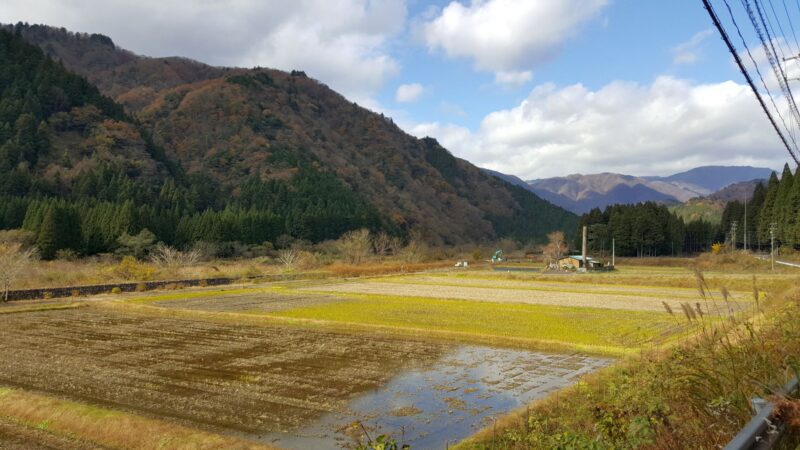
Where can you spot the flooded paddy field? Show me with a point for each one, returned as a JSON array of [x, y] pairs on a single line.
[[290, 387], [220, 375], [437, 405]]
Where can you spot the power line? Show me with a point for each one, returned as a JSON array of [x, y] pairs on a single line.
[[742, 68], [773, 41], [791, 27], [760, 76], [768, 26], [769, 49]]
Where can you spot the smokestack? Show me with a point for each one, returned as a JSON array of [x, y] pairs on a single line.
[[583, 250]]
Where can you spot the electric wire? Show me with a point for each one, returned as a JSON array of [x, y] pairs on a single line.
[[743, 69], [760, 76]]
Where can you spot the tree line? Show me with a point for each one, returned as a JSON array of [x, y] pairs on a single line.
[[650, 229], [772, 211], [644, 229]]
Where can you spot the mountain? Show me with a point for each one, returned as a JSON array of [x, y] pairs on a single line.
[[580, 193], [253, 154], [714, 178], [711, 207], [737, 191]]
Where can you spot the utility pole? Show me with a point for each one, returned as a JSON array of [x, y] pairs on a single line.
[[613, 252], [772, 227], [583, 248], [745, 223], [734, 225]]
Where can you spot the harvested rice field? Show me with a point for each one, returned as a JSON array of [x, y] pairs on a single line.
[[430, 357], [534, 293]]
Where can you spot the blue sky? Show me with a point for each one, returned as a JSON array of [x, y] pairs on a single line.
[[629, 40], [534, 88]]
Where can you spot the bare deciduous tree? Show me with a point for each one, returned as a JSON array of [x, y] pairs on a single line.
[[167, 256], [383, 244], [555, 247], [289, 257], [13, 260], [355, 246], [414, 252]]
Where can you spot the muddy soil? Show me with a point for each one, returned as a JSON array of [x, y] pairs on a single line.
[[263, 302], [221, 376]]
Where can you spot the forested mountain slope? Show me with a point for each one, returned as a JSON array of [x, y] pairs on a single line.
[[283, 144]]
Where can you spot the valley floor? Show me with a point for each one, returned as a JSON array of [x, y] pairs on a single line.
[[230, 367]]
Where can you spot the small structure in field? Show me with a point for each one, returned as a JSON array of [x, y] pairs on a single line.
[[575, 262]]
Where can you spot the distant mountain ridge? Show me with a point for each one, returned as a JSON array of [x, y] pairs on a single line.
[[581, 193]]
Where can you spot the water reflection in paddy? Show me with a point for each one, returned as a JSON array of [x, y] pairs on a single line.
[[434, 406]]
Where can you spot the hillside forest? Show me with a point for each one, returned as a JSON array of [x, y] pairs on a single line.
[[82, 173]]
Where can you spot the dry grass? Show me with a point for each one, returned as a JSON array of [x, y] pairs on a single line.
[[31, 307], [698, 392], [58, 273], [382, 268], [108, 428]]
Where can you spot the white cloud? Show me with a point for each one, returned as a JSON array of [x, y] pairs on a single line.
[[667, 126], [507, 37], [343, 43], [512, 78], [689, 52], [452, 109], [407, 93]]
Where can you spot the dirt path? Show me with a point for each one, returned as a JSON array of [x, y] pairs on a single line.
[[687, 294], [587, 299]]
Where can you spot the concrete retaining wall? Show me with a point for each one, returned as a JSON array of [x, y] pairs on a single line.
[[80, 291]]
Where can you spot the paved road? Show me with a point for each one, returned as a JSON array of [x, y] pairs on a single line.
[[784, 263]]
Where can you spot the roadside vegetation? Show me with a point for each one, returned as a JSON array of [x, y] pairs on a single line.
[[696, 393], [88, 426]]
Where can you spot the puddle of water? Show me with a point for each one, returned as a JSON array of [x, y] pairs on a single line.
[[434, 406]]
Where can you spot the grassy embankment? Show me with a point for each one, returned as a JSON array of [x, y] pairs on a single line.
[[696, 394]]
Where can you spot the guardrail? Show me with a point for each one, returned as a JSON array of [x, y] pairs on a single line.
[[763, 431]]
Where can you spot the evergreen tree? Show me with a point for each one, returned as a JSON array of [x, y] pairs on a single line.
[[767, 214], [754, 207], [782, 209], [47, 238], [792, 222]]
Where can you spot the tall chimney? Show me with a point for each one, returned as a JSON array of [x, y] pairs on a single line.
[[583, 250]]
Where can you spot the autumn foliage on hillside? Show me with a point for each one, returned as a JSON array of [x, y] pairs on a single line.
[[216, 154]]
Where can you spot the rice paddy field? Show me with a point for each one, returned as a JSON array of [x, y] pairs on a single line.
[[433, 357]]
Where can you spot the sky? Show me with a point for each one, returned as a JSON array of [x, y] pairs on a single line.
[[532, 88]]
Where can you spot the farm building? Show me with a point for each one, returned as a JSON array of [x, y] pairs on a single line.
[[576, 262]]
